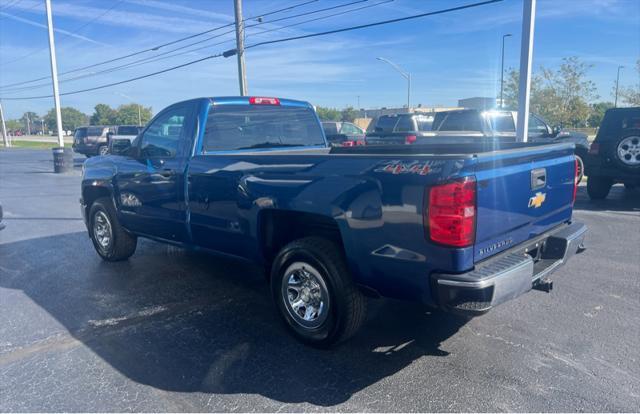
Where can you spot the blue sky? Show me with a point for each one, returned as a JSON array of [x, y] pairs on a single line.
[[450, 56]]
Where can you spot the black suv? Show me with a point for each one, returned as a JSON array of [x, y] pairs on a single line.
[[614, 156]]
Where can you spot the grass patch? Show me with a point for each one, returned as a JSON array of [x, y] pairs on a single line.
[[33, 144]]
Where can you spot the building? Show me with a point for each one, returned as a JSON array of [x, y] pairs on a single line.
[[479, 103]]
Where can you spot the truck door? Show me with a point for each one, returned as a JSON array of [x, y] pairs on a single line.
[[150, 184]]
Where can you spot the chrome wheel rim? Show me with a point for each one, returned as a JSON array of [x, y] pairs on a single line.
[[629, 151], [102, 230], [305, 295], [104, 150], [580, 170]]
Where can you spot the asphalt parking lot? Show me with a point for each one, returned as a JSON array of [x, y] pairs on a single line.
[[172, 330]]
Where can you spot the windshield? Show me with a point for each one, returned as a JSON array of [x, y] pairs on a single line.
[[233, 127]]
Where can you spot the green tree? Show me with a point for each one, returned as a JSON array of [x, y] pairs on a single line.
[[30, 122], [348, 114], [103, 114], [128, 114], [631, 94], [14, 124], [71, 119], [597, 113], [328, 114], [561, 96]]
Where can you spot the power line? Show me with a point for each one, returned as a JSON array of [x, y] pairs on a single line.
[[364, 26], [162, 45], [193, 62], [231, 52], [181, 48], [74, 31]]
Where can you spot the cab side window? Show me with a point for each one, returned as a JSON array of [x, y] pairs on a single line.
[[162, 137]]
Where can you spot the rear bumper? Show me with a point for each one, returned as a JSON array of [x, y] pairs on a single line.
[[87, 148], [596, 167], [508, 275]]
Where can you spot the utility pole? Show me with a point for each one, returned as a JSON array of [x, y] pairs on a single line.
[[42, 125], [615, 104], [502, 70], [28, 125], [526, 55], [242, 74], [5, 137], [54, 72]]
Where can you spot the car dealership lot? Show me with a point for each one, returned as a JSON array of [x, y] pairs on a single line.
[[171, 330]]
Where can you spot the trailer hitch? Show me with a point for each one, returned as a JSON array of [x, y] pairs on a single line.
[[544, 285]]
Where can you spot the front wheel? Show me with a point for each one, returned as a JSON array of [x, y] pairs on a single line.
[[110, 239], [598, 187], [315, 293]]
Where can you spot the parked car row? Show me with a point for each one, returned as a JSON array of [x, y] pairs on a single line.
[[96, 139], [469, 124]]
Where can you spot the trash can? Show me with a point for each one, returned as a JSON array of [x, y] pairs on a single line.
[[62, 160]]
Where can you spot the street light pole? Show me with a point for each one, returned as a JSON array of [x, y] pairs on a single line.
[[404, 74], [242, 73], [615, 104], [502, 70], [54, 72]]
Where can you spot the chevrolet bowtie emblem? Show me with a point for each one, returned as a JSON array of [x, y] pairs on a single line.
[[537, 200]]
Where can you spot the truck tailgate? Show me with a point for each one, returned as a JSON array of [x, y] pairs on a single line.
[[521, 194]]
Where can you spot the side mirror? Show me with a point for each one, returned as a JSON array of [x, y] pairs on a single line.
[[556, 130], [121, 147]]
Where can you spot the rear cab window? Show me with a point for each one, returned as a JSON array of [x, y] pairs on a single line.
[[233, 127], [461, 121], [386, 123], [80, 133], [128, 130]]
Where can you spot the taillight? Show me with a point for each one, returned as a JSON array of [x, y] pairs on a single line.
[[360, 142], [348, 143], [260, 100], [451, 213], [410, 139], [575, 181], [594, 149]]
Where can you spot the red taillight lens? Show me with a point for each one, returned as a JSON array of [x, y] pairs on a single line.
[[360, 142], [451, 213], [594, 149], [575, 181], [348, 144], [260, 100], [410, 139]]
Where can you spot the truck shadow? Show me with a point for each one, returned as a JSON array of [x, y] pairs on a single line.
[[619, 199], [189, 322]]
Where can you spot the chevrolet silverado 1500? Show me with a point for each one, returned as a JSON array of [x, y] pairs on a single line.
[[460, 227]]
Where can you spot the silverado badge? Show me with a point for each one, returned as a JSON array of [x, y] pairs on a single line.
[[537, 200]]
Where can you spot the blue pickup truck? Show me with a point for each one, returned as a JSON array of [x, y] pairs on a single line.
[[459, 227]]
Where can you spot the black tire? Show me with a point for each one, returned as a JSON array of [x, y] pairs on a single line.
[[121, 244], [345, 305], [598, 187]]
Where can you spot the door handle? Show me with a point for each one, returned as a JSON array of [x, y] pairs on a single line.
[[166, 172]]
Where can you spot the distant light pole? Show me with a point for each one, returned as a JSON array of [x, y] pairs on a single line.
[[502, 70], [615, 104], [133, 102], [404, 74]]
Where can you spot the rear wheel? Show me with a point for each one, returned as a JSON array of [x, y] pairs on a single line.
[[110, 239], [314, 292], [598, 187]]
